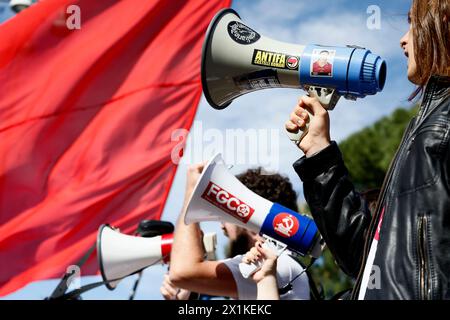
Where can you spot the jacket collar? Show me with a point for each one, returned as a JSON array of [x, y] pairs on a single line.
[[436, 91], [437, 87]]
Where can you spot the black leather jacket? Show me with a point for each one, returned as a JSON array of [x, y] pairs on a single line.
[[413, 252]]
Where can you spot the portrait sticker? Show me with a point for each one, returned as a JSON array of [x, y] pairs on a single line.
[[322, 61]]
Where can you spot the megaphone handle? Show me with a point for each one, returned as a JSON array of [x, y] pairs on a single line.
[[327, 98], [247, 270]]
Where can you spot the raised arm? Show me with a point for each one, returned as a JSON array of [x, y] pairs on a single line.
[[188, 269], [341, 214]]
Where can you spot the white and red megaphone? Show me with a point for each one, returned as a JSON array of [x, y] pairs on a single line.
[[220, 196], [120, 255]]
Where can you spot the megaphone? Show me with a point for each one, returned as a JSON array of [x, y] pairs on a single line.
[[19, 5], [120, 255], [237, 60], [220, 196]]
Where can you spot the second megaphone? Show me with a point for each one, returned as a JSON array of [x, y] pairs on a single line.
[[120, 255], [220, 196]]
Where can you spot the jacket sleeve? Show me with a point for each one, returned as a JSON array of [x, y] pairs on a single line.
[[341, 214]]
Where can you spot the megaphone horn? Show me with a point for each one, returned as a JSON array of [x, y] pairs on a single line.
[[120, 255]]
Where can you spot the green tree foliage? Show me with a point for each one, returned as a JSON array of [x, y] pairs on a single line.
[[367, 155]]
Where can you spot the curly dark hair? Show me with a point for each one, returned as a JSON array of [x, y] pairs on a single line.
[[273, 187]]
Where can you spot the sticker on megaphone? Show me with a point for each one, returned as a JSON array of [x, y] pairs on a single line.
[[286, 229]]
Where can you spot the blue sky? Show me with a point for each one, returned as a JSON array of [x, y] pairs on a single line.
[[330, 22]]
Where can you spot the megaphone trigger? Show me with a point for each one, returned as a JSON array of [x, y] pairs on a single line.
[[327, 97]]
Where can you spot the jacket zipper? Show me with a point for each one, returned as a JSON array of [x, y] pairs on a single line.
[[386, 182], [414, 123], [424, 270]]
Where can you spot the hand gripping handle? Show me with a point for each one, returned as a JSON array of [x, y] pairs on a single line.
[[327, 98], [247, 270]]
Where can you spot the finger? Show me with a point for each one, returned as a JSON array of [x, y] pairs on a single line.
[[291, 127], [267, 253], [200, 166], [255, 252], [297, 120], [167, 277], [259, 244], [197, 167], [170, 289], [301, 112], [312, 104], [167, 280], [183, 294], [250, 256], [262, 251], [166, 295]]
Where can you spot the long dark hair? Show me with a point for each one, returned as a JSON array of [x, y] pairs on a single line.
[[430, 22]]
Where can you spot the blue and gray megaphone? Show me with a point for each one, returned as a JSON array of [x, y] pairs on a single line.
[[237, 60]]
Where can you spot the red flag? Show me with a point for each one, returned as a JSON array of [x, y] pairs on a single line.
[[86, 117]]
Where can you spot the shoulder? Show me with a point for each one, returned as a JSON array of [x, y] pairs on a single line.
[[246, 288], [233, 261], [287, 266], [291, 271]]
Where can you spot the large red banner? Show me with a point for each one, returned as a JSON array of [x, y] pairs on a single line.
[[86, 116]]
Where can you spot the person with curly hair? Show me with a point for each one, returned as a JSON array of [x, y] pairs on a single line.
[[189, 270]]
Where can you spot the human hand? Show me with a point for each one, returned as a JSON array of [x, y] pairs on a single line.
[[170, 292], [267, 256], [318, 136], [193, 174]]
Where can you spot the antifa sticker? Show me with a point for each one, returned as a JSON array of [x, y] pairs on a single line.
[[262, 79], [275, 60], [292, 62], [242, 34]]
